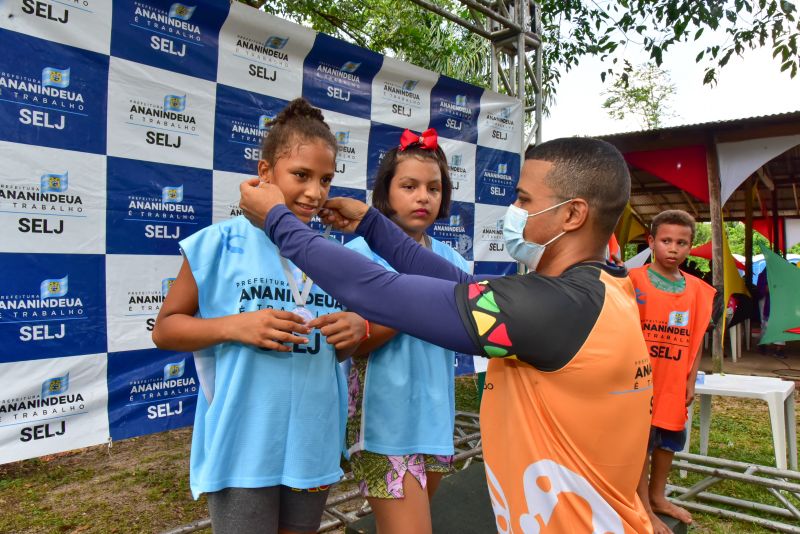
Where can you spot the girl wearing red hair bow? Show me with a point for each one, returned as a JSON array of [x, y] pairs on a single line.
[[401, 406]]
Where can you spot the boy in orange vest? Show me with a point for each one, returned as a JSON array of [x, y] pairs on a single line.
[[675, 310]]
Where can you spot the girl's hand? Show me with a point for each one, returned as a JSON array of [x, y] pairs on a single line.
[[267, 329], [343, 330], [258, 199], [343, 213]]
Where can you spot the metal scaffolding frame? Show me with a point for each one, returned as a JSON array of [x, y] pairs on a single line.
[[513, 28], [783, 485]]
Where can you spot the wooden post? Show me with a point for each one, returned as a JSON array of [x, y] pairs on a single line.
[[627, 217], [748, 234], [717, 272], [776, 223]]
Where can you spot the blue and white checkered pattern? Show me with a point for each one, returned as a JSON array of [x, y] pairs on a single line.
[[127, 125]]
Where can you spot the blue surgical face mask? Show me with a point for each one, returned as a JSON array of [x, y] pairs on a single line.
[[525, 252]]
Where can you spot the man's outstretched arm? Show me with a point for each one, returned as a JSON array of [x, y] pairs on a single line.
[[421, 306], [389, 242]]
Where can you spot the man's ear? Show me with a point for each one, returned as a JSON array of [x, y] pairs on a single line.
[[576, 216], [264, 171]]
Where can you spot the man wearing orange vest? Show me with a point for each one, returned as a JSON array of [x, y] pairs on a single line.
[[565, 412], [674, 310]]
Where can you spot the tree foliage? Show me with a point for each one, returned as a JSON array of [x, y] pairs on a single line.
[[398, 29], [736, 238], [644, 94], [571, 30]]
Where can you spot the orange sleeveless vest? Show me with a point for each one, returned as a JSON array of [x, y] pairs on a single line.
[[673, 325]]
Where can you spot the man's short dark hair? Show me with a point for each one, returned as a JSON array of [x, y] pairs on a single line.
[[590, 169]]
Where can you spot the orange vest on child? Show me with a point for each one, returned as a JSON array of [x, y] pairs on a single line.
[[673, 325]]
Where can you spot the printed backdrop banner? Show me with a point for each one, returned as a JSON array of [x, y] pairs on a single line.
[[126, 126]]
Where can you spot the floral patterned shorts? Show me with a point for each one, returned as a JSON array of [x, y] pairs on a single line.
[[381, 476]]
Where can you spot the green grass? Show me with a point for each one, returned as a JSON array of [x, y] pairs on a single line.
[[466, 392], [142, 484]]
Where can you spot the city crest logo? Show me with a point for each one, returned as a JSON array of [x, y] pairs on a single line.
[[265, 121], [350, 67], [55, 386], [410, 85], [55, 77], [172, 193], [174, 103], [343, 138], [456, 160], [678, 318], [54, 183], [174, 370], [275, 42], [54, 288], [461, 100], [181, 11], [502, 168]]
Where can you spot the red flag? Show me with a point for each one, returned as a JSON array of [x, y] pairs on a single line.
[[683, 167]]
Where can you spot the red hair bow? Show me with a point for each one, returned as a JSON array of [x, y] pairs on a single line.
[[427, 140]]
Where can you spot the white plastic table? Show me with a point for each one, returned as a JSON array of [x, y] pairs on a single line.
[[779, 396]]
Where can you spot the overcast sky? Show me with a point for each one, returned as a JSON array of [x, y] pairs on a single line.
[[747, 87]]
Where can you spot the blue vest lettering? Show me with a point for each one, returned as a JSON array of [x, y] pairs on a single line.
[[311, 348]]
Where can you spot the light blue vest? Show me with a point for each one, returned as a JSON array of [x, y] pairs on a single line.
[[263, 418], [408, 402]]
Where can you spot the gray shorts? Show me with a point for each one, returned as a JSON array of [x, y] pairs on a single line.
[[264, 510]]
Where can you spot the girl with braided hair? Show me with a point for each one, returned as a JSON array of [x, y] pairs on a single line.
[[268, 427]]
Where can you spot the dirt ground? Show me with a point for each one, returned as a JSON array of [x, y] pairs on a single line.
[[138, 485]]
